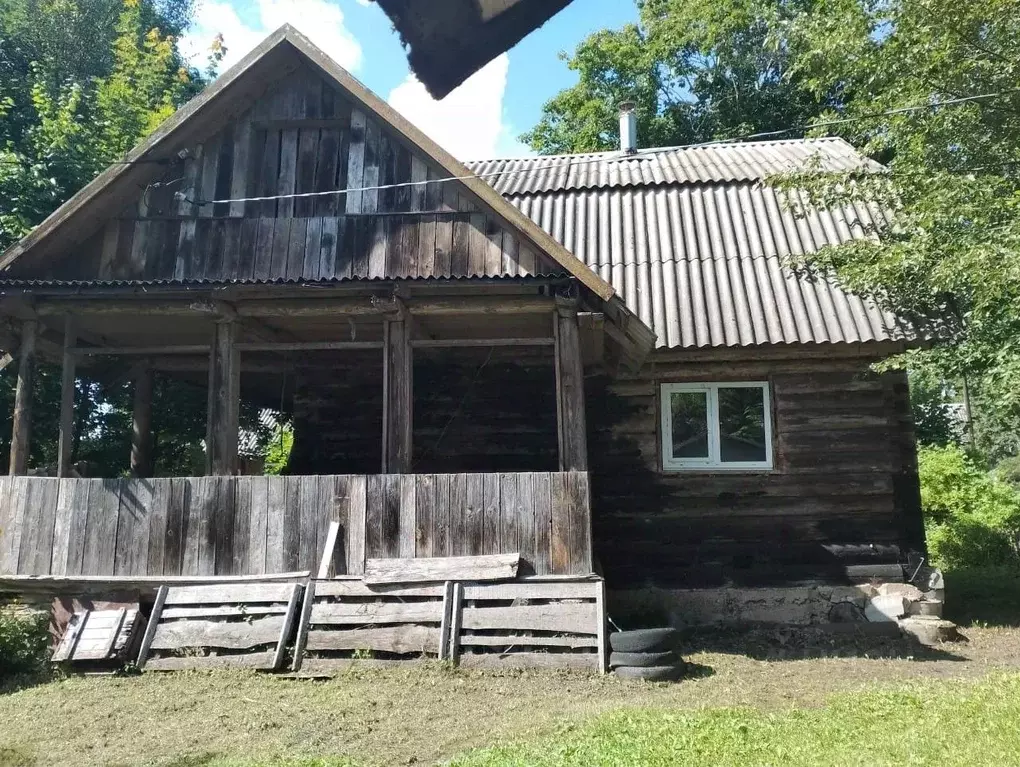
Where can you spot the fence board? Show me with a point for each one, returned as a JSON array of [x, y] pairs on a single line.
[[208, 526]]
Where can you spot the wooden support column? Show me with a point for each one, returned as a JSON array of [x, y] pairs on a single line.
[[67, 378], [141, 425], [570, 391], [21, 429], [224, 402], [397, 393]]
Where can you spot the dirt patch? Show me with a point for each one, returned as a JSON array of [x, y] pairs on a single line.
[[423, 715]]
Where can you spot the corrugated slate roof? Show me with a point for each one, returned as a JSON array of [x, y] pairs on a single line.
[[706, 164], [696, 244]]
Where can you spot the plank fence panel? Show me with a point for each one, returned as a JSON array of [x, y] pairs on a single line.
[[218, 526]]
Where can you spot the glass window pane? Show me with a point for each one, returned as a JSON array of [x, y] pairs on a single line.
[[690, 424], [742, 425]]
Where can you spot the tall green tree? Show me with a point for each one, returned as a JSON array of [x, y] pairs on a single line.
[[695, 69], [933, 88]]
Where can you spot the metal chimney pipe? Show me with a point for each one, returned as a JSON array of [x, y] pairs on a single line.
[[628, 128]]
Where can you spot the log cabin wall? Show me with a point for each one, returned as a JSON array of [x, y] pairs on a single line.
[[303, 136], [474, 410], [843, 491]]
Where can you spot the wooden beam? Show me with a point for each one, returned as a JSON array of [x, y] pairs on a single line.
[[488, 305], [21, 429], [397, 398], [316, 307], [141, 425], [438, 343], [224, 402], [311, 346], [144, 351], [67, 378], [570, 392]]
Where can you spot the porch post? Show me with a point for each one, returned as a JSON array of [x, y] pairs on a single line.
[[573, 437], [224, 401], [67, 377], [21, 429], [141, 425], [397, 397]]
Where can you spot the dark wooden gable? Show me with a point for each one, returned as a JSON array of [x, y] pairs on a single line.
[[305, 135]]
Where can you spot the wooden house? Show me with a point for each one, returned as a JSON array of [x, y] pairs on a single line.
[[601, 362]]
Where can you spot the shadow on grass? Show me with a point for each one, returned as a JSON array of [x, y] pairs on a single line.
[[983, 596], [778, 643]]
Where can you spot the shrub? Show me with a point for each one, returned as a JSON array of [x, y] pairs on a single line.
[[24, 641], [971, 516]]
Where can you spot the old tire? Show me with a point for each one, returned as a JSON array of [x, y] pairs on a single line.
[[651, 673], [642, 659], [643, 640]]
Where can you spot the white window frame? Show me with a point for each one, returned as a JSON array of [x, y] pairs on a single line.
[[713, 461]]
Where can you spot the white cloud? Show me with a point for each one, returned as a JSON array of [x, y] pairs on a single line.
[[469, 122], [322, 21]]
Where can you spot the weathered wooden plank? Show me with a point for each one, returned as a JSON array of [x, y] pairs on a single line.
[[367, 613], [510, 253], [308, 149], [408, 524], [356, 524], [458, 504], [509, 512], [242, 635], [358, 588], [310, 512], [559, 529], [224, 168], [254, 660], [375, 500], [291, 543], [287, 179], [101, 531], [36, 553], [257, 527], [483, 568], [262, 259], [449, 627], [373, 171], [493, 661], [223, 611], [602, 618], [297, 244], [288, 625], [232, 229], [434, 191], [424, 501], [328, 550], [402, 640], [177, 523], [132, 550], [441, 536], [492, 536], [280, 248], [301, 636], [542, 495], [199, 555], [526, 520], [527, 640], [419, 174], [222, 526], [333, 231], [390, 517], [242, 521], [576, 618], [326, 174], [460, 263], [474, 516], [21, 426], [241, 165], [230, 593], [443, 248], [210, 170], [151, 626], [532, 589], [479, 245], [570, 392], [425, 258], [356, 160], [62, 523], [580, 523], [377, 251], [7, 526], [313, 250]]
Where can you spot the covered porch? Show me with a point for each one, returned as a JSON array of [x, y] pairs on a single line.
[[390, 372]]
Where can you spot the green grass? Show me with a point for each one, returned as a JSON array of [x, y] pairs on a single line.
[[943, 724], [983, 596]]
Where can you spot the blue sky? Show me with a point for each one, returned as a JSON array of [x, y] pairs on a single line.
[[483, 118]]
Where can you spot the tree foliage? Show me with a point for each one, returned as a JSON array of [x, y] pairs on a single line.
[[695, 69], [951, 259]]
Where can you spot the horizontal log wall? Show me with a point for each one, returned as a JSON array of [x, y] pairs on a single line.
[[844, 489], [302, 137], [257, 525]]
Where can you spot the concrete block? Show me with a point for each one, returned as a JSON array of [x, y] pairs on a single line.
[[929, 607], [907, 590], [929, 630], [886, 608]]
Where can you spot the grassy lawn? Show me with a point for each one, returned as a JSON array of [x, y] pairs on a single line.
[[757, 700]]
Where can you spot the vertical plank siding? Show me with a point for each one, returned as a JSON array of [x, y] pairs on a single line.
[[256, 525], [303, 137]]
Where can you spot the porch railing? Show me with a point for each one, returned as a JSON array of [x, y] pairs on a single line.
[[258, 525]]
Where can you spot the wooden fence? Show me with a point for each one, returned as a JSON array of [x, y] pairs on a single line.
[[258, 525]]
